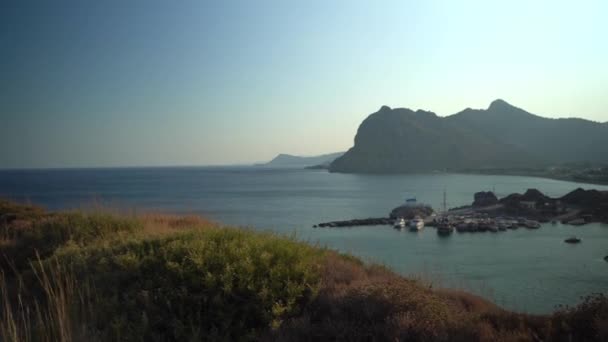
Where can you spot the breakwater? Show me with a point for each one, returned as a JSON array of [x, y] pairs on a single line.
[[377, 221]]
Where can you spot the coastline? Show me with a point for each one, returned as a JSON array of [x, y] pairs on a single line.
[[145, 257], [489, 172], [247, 201], [539, 174]]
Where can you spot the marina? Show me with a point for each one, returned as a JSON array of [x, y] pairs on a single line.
[[489, 214]]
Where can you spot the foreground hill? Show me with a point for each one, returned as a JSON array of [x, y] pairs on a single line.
[[502, 136], [75, 276], [288, 160]]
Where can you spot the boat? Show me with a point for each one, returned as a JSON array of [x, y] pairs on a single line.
[[532, 224], [577, 222], [462, 227], [572, 239], [399, 223], [492, 228], [445, 229], [416, 224]]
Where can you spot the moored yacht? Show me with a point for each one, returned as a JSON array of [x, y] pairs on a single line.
[[531, 224], [445, 228], [399, 223], [416, 224], [462, 227], [572, 239]]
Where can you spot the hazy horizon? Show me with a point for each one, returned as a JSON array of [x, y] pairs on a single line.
[[195, 83]]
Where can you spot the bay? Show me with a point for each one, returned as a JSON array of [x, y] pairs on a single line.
[[524, 270]]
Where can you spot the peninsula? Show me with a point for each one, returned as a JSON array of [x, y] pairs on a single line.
[[290, 161]]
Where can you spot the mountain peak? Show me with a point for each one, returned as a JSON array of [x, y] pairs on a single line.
[[499, 104], [384, 108]]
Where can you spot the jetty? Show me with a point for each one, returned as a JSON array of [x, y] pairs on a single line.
[[356, 222]]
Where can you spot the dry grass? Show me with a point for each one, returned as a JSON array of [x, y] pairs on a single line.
[[56, 307], [143, 276], [160, 224], [467, 301], [370, 303]]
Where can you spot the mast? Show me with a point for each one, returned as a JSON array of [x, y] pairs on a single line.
[[445, 205]]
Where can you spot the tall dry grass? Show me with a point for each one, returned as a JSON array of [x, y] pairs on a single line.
[[55, 307]]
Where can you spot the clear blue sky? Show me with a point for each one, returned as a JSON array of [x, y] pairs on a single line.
[[116, 83]]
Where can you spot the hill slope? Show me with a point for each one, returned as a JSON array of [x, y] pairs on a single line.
[[557, 140], [101, 277], [503, 136]]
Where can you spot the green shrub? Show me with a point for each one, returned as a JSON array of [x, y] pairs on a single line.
[[46, 235], [225, 283], [587, 321]]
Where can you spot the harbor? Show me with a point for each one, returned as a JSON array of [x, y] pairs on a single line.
[[489, 214]]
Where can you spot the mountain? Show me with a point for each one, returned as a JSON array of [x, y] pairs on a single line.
[[555, 140], [502, 136], [287, 160]]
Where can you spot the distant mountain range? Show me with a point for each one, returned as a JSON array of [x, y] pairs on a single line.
[[502, 136], [287, 160]]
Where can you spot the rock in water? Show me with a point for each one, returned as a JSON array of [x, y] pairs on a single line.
[[484, 199]]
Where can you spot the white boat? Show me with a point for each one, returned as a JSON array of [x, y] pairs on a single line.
[[532, 224], [399, 223], [416, 224], [577, 222]]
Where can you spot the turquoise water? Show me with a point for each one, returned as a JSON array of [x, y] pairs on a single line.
[[526, 270]]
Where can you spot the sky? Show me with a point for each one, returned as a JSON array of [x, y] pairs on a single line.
[[151, 83]]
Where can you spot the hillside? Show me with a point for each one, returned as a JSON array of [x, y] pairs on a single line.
[[77, 276], [502, 136], [556, 140], [288, 160]]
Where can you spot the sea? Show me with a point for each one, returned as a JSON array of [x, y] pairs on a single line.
[[525, 270]]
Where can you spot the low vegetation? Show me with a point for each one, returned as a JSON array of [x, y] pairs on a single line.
[[99, 276]]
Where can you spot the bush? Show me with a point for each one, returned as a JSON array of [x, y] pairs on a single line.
[[45, 235], [223, 283], [587, 321]]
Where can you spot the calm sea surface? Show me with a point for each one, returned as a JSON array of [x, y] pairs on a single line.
[[526, 270]]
